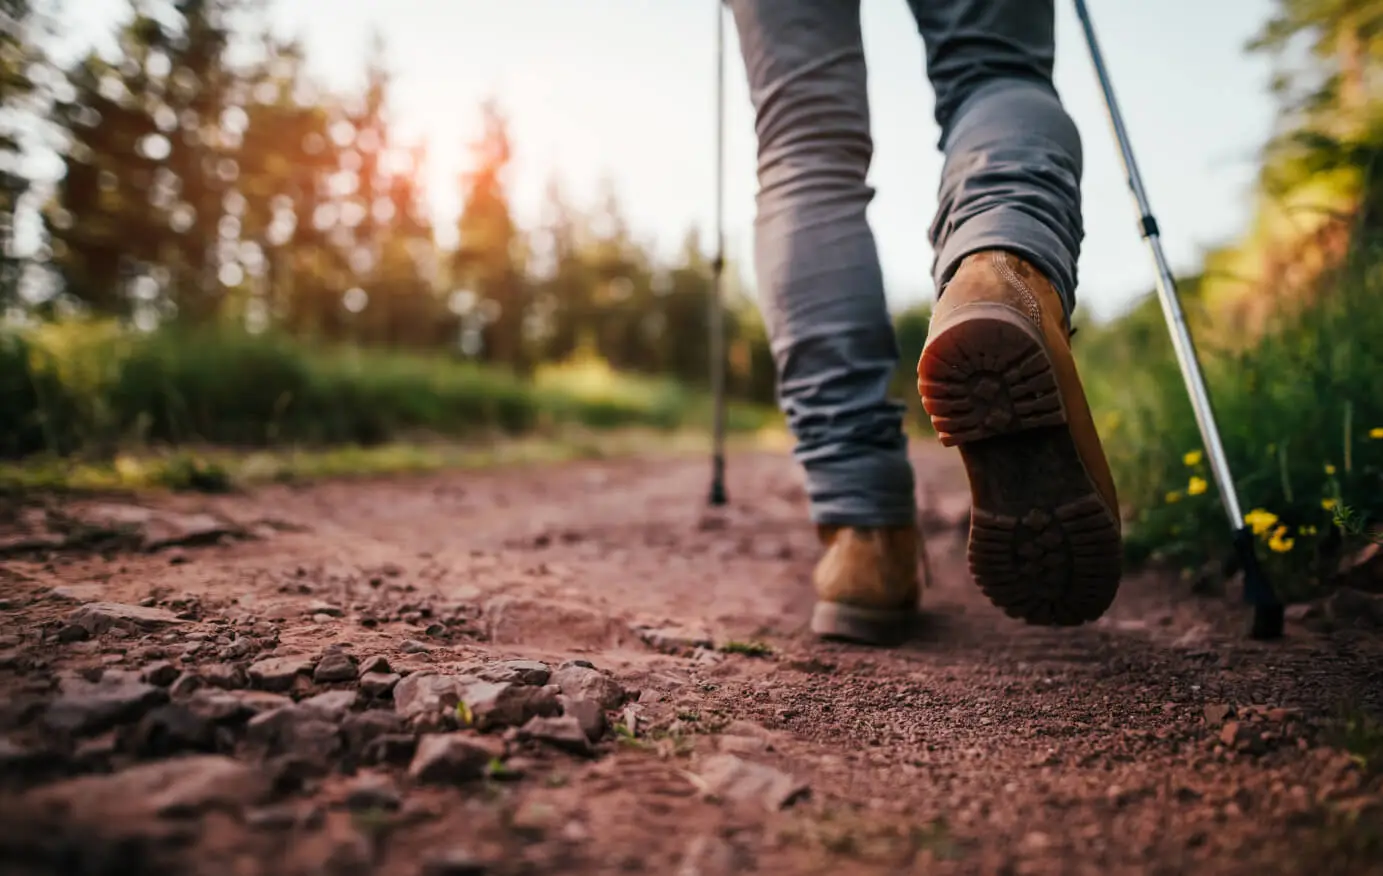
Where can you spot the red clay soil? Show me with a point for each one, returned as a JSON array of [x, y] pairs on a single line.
[[582, 669]]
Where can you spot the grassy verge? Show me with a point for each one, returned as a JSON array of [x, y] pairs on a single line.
[[212, 469], [1299, 410]]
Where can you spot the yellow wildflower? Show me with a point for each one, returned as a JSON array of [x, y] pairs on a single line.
[[1196, 486], [1260, 520], [1306, 530], [1376, 432], [1328, 504], [1193, 458], [1329, 469], [1280, 542], [1173, 497]]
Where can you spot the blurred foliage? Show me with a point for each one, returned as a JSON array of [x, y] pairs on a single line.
[[1293, 361]]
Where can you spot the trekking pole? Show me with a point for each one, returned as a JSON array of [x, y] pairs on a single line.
[[1267, 609], [717, 307]]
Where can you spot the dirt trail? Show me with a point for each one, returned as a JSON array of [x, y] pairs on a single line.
[[211, 720]]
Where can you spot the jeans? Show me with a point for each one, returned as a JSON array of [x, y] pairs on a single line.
[[1011, 180]]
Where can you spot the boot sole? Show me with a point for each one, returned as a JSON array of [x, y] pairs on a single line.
[[866, 626], [1043, 545]]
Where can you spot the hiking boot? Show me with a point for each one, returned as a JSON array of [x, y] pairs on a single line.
[[866, 584], [997, 378]]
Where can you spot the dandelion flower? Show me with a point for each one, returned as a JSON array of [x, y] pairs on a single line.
[[1260, 520], [1173, 497], [1328, 504], [1196, 486], [1376, 432], [1280, 543], [1329, 469], [1193, 458]]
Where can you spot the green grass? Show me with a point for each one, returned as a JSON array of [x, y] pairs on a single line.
[[89, 398], [1300, 412]]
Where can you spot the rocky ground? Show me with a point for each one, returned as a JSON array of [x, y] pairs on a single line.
[[584, 670]]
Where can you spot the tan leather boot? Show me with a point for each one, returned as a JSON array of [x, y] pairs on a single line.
[[866, 584], [997, 378]]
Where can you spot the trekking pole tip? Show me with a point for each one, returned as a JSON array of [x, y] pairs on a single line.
[[1269, 614]]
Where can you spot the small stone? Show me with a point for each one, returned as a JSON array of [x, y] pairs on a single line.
[[584, 664], [73, 633], [584, 682], [233, 707], [280, 816], [90, 707], [98, 617], [436, 631], [452, 757], [333, 705], [177, 787], [333, 667], [318, 606], [587, 713], [508, 705], [517, 672], [278, 673], [300, 732], [370, 790], [169, 730], [226, 676], [424, 692], [564, 733], [454, 862], [413, 646], [378, 684], [239, 649], [360, 728], [1216, 713], [161, 673], [674, 640], [732, 778], [1229, 734], [395, 749], [377, 663], [185, 685]]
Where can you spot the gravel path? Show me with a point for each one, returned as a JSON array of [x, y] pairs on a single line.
[[581, 669]]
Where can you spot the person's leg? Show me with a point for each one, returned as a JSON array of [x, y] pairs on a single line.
[[820, 285], [997, 375], [1011, 178]]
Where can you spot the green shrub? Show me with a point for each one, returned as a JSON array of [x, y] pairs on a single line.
[[1301, 415]]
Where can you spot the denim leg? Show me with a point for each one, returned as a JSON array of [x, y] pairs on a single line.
[[820, 286], [1011, 178]]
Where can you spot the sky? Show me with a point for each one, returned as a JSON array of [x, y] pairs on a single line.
[[623, 91]]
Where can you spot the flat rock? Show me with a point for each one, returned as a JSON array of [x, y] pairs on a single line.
[[230, 707], [504, 704], [425, 692], [90, 707], [734, 779], [333, 705], [587, 713], [378, 684], [99, 617], [167, 788], [294, 730], [169, 730], [377, 663], [371, 790], [361, 728], [446, 758], [335, 666], [160, 673], [226, 676], [587, 683], [278, 673], [516, 672], [564, 733]]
